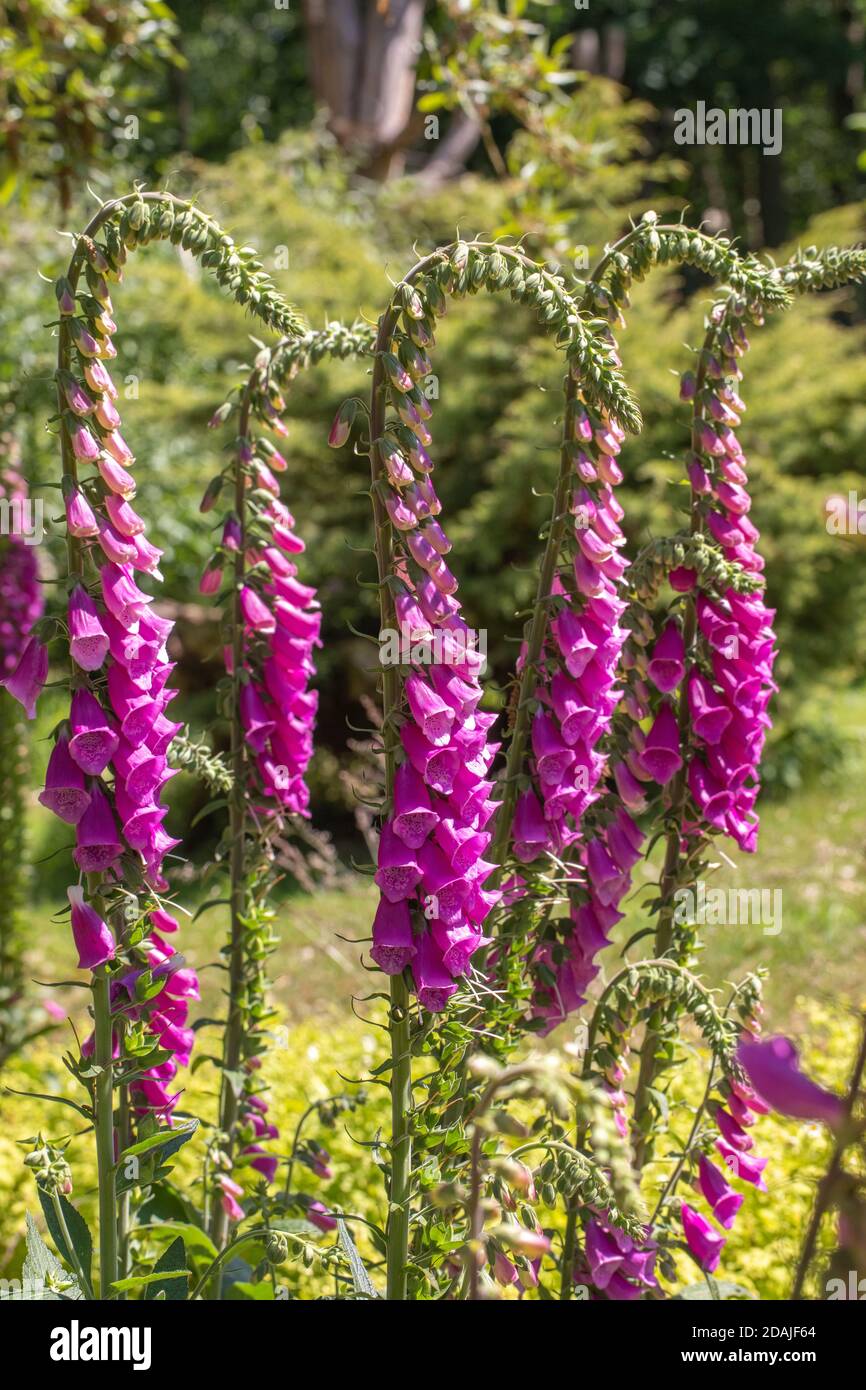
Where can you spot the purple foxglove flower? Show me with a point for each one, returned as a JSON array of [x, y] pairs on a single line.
[[449, 888], [84, 446], [118, 448], [462, 845], [258, 724], [122, 516], [80, 519], [773, 1068], [553, 756], [458, 945], [682, 579], [231, 537], [116, 478], [397, 872], [26, 681], [724, 1201], [743, 1165], [107, 415], [88, 640], [602, 1255], [320, 1217], [92, 936], [94, 738], [576, 647], [402, 516], [733, 1133], [99, 378], [414, 817], [712, 799], [668, 661], [123, 598], [393, 946], [98, 846], [256, 612], [608, 880], [64, 792], [661, 753], [429, 711], [433, 981], [147, 556], [530, 832], [710, 717], [119, 549], [704, 1241], [437, 766]]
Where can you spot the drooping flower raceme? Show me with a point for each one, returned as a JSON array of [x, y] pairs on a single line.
[[109, 763], [431, 869]]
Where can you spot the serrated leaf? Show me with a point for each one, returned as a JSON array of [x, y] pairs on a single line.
[[79, 1234], [172, 1262], [360, 1278]]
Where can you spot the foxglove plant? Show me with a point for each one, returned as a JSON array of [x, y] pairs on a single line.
[[109, 761], [21, 606]]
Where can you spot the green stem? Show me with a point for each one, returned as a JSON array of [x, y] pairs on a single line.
[[535, 642], [104, 1129], [670, 875], [398, 1017], [233, 1037]]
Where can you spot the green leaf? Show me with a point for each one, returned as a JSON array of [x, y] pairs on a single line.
[[169, 1141], [725, 1290], [193, 1237], [172, 1261], [142, 1281], [79, 1234], [242, 1290], [360, 1278], [42, 1269]]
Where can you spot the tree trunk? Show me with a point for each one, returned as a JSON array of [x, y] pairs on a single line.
[[363, 58]]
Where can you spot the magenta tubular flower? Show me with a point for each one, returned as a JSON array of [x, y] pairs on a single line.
[[725, 1202], [92, 936], [80, 519], [398, 870], [773, 1068], [64, 793], [98, 846], [666, 666], [393, 946], [26, 681], [84, 446], [94, 736], [433, 980], [414, 817], [531, 832], [122, 596], [88, 640], [256, 612], [115, 477], [704, 1241], [661, 756]]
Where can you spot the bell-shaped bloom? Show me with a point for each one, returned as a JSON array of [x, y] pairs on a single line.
[[773, 1068], [97, 844], [661, 753], [64, 793], [704, 1241], [123, 517], [531, 832], [433, 981], [393, 946], [115, 477], [552, 754], [123, 598], [92, 936], [258, 723], [668, 661], [27, 680], [414, 817], [629, 788], [710, 716], [430, 712], [398, 871], [743, 1165], [80, 518], [88, 640], [718, 1192], [256, 612], [320, 1217], [94, 737], [84, 446]]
